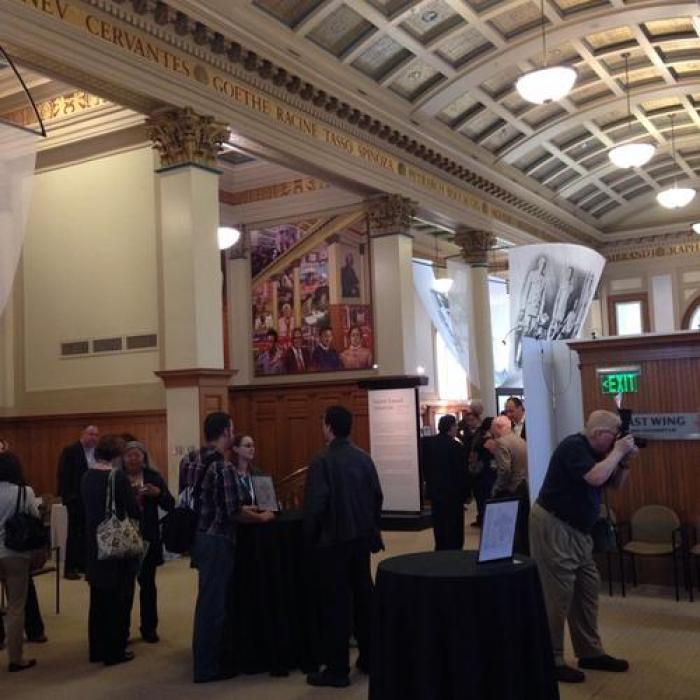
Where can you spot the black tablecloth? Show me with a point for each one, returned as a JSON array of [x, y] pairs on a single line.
[[272, 620], [447, 628]]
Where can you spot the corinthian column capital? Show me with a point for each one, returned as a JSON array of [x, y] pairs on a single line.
[[390, 214], [475, 244], [182, 136]]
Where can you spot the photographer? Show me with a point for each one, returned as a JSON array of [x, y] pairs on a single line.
[[560, 525]]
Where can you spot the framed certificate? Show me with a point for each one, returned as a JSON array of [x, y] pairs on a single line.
[[264, 490], [498, 530]]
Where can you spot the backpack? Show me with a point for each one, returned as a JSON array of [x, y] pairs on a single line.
[[179, 526]]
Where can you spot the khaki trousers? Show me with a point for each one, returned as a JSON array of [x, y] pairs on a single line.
[[14, 571], [570, 583]]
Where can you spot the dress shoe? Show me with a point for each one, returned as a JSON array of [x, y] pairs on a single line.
[[150, 637], [23, 666], [330, 680], [604, 663], [41, 639], [128, 656], [71, 576], [566, 674], [222, 676]]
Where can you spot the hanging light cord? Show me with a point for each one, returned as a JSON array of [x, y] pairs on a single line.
[[673, 149], [627, 91], [544, 37]]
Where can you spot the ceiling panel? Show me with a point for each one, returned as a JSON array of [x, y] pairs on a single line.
[[340, 30]]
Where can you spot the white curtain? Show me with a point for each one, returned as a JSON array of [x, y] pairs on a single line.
[[439, 309], [462, 311], [17, 161]]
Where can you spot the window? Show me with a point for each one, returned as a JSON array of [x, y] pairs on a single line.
[[628, 315], [451, 377], [691, 318]]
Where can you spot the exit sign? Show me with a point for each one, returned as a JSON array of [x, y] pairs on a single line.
[[619, 380]]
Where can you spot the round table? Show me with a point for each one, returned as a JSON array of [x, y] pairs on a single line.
[[447, 628], [272, 620]]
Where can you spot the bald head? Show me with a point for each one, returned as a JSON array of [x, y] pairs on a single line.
[[602, 421], [501, 426], [476, 407]]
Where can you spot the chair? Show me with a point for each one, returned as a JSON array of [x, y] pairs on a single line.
[[290, 489], [694, 552], [654, 531]]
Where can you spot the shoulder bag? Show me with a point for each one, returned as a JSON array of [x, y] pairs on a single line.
[[117, 538], [24, 532], [179, 526]]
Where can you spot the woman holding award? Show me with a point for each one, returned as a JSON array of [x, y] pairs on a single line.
[[247, 475]]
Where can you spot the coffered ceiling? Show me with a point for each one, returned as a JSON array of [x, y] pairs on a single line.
[[449, 67]]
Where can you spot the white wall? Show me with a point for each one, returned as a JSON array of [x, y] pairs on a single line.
[[90, 270]]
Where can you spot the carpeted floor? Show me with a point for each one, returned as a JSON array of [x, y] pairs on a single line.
[[661, 639]]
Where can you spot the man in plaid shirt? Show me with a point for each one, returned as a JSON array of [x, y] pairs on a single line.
[[212, 479]]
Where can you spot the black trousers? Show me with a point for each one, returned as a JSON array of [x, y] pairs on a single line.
[[346, 601], [148, 594], [75, 539], [483, 486], [448, 524], [33, 622], [108, 621]]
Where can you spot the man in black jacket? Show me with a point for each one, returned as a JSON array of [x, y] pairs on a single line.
[[447, 483], [342, 510], [72, 464]]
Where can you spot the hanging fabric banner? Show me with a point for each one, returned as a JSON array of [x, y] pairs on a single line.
[[17, 160], [551, 289], [437, 306]]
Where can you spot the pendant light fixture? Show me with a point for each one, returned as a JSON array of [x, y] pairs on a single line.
[[547, 84], [696, 228], [442, 285], [633, 154], [675, 197]]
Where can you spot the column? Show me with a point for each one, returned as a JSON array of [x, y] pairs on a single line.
[[392, 279], [192, 358], [240, 306], [475, 246]]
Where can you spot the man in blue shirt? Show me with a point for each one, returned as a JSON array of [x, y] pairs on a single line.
[[560, 542]]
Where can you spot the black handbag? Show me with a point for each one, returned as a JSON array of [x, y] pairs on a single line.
[[24, 532], [179, 526]]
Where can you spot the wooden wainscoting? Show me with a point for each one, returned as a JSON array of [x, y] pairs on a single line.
[[285, 420], [38, 440], [665, 472]]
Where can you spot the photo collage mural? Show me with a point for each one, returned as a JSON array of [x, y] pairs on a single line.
[[311, 291]]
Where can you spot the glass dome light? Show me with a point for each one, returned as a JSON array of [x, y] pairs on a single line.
[[546, 84], [675, 197], [631, 155], [442, 285], [227, 237]]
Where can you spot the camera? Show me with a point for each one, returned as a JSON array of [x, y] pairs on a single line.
[[625, 420]]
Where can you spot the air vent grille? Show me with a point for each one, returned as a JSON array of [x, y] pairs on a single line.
[[107, 345], [139, 342], [76, 347]]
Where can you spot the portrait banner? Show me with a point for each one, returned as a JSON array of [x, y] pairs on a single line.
[[311, 296], [551, 289]]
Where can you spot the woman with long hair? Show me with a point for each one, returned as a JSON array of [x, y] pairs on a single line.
[[14, 566], [243, 456]]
